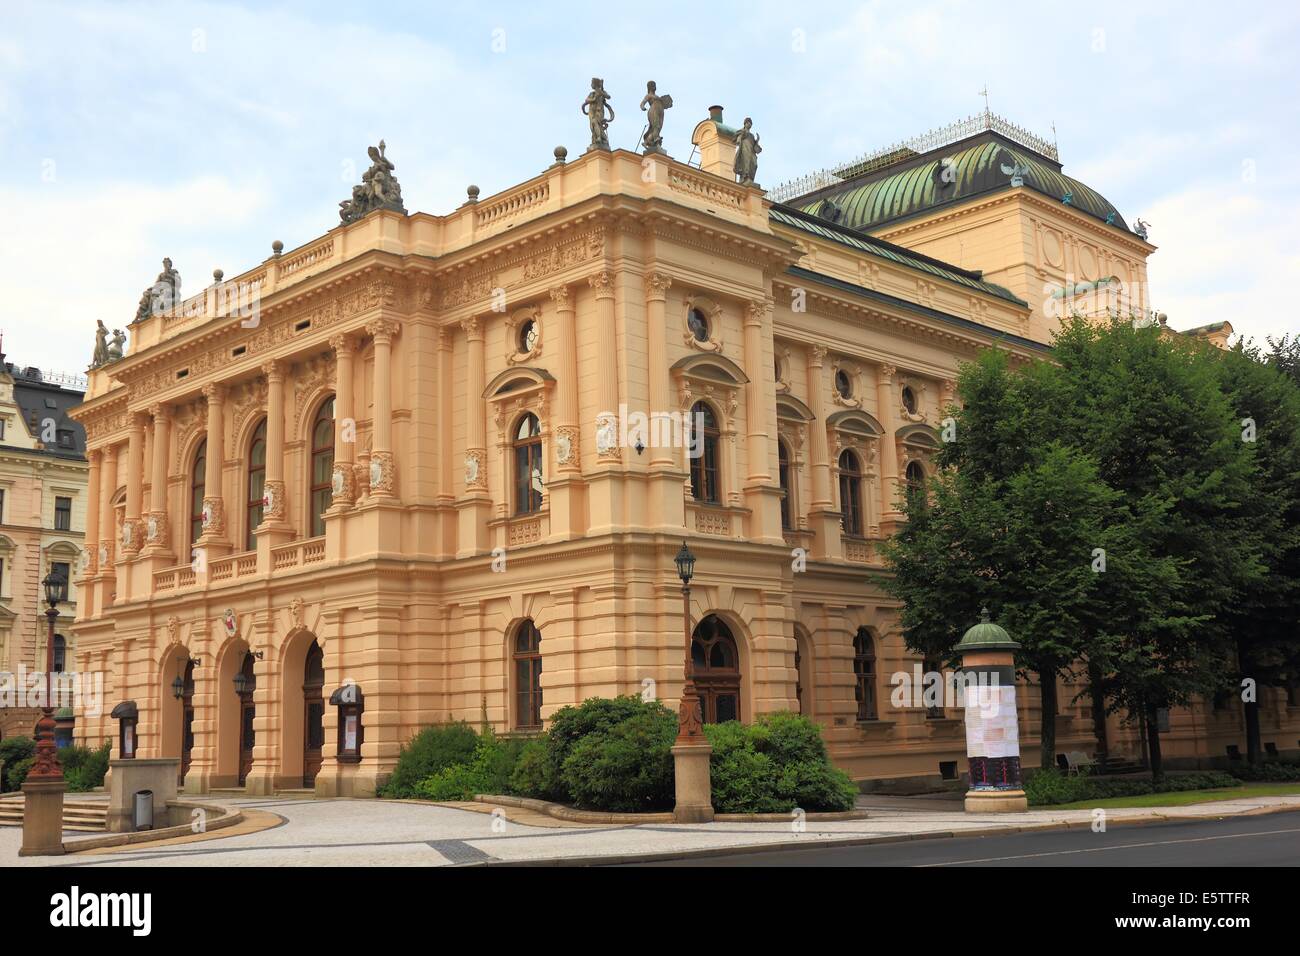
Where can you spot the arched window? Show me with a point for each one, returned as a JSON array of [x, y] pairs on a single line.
[[197, 477], [527, 446], [915, 475], [256, 485], [704, 454], [715, 665], [850, 494], [528, 676], [783, 476], [864, 673], [322, 466], [60, 654]]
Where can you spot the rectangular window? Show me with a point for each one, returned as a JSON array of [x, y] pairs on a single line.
[[62, 514], [64, 570], [2, 506], [2, 429]]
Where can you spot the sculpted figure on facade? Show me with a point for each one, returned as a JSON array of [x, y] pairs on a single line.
[[653, 105], [747, 150], [162, 295], [117, 348], [101, 345], [378, 188], [594, 107]]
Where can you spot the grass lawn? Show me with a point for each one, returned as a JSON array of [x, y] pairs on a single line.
[[1181, 799]]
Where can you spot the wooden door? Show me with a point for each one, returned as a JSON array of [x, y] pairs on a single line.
[[247, 713], [313, 717]]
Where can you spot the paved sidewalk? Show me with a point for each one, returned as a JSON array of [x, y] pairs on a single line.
[[392, 833]]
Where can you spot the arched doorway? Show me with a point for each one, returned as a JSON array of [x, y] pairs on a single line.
[[715, 661], [187, 719], [246, 683], [313, 714]]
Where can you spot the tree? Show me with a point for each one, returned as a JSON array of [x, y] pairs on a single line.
[[1264, 619], [1010, 523]]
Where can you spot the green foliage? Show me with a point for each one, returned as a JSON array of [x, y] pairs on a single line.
[[625, 767], [488, 770], [433, 749], [16, 774], [1266, 772], [83, 768], [569, 725], [530, 776], [774, 765], [1046, 787], [13, 751]]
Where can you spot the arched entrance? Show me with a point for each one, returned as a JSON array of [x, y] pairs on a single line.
[[715, 661], [313, 714], [245, 683]]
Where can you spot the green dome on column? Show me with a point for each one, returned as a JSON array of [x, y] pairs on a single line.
[[986, 636]]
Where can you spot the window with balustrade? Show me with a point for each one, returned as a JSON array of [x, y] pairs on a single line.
[[850, 494], [705, 435]]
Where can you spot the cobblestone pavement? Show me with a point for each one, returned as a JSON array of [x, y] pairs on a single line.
[[304, 832]]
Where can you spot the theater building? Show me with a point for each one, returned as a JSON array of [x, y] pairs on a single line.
[[411, 484]]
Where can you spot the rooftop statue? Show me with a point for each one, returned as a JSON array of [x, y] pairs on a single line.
[[654, 105], [747, 150], [101, 345], [593, 107], [162, 295], [117, 348], [1140, 227], [1016, 171], [378, 188]]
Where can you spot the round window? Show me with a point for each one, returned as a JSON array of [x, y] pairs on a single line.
[[909, 400], [528, 336], [843, 384], [698, 324]]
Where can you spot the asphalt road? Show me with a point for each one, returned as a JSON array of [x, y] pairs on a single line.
[[1267, 840]]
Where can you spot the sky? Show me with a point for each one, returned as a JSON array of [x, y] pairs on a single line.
[[204, 131]]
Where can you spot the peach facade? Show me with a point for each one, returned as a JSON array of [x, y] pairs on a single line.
[[444, 519]]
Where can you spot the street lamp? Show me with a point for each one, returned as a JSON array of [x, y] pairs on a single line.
[[46, 766], [690, 725], [691, 750], [178, 685], [244, 685]]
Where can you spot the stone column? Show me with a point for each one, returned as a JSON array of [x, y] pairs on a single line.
[[661, 403], [607, 368], [475, 411], [93, 494], [822, 516], [157, 534], [755, 420], [345, 424], [214, 502], [568, 431], [888, 414], [275, 502], [131, 531], [383, 467], [107, 535]]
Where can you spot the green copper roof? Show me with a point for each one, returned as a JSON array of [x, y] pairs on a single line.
[[986, 636], [804, 222], [923, 183]]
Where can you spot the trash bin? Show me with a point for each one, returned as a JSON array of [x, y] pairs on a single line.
[[144, 810]]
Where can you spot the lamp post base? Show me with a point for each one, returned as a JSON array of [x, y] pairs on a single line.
[[996, 801], [43, 818], [694, 789]]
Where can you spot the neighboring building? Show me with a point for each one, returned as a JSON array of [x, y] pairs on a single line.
[[42, 519], [390, 496]]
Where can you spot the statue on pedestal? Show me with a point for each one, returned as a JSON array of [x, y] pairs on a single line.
[[653, 105], [378, 188], [101, 345], [593, 107], [747, 150], [117, 348], [162, 295]]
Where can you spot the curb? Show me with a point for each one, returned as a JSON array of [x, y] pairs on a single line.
[[824, 844], [228, 817], [561, 812]]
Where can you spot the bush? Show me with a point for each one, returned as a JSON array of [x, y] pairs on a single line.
[[570, 724], [16, 774], [83, 768], [626, 767], [774, 765], [532, 769], [488, 770], [13, 751], [1271, 772], [433, 749], [1050, 786]]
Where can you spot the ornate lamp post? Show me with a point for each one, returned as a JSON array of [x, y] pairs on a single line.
[[691, 751], [43, 788]]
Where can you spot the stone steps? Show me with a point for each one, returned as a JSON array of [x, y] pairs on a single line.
[[79, 816]]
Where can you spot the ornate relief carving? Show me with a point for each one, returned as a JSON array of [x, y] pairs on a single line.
[[157, 530], [918, 387], [274, 504], [657, 285], [383, 472], [572, 252], [316, 373], [342, 484], [214, 517], [567, 444], [517, 350], [247, 397], [854, 372], [603, 283], [475, 472]]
